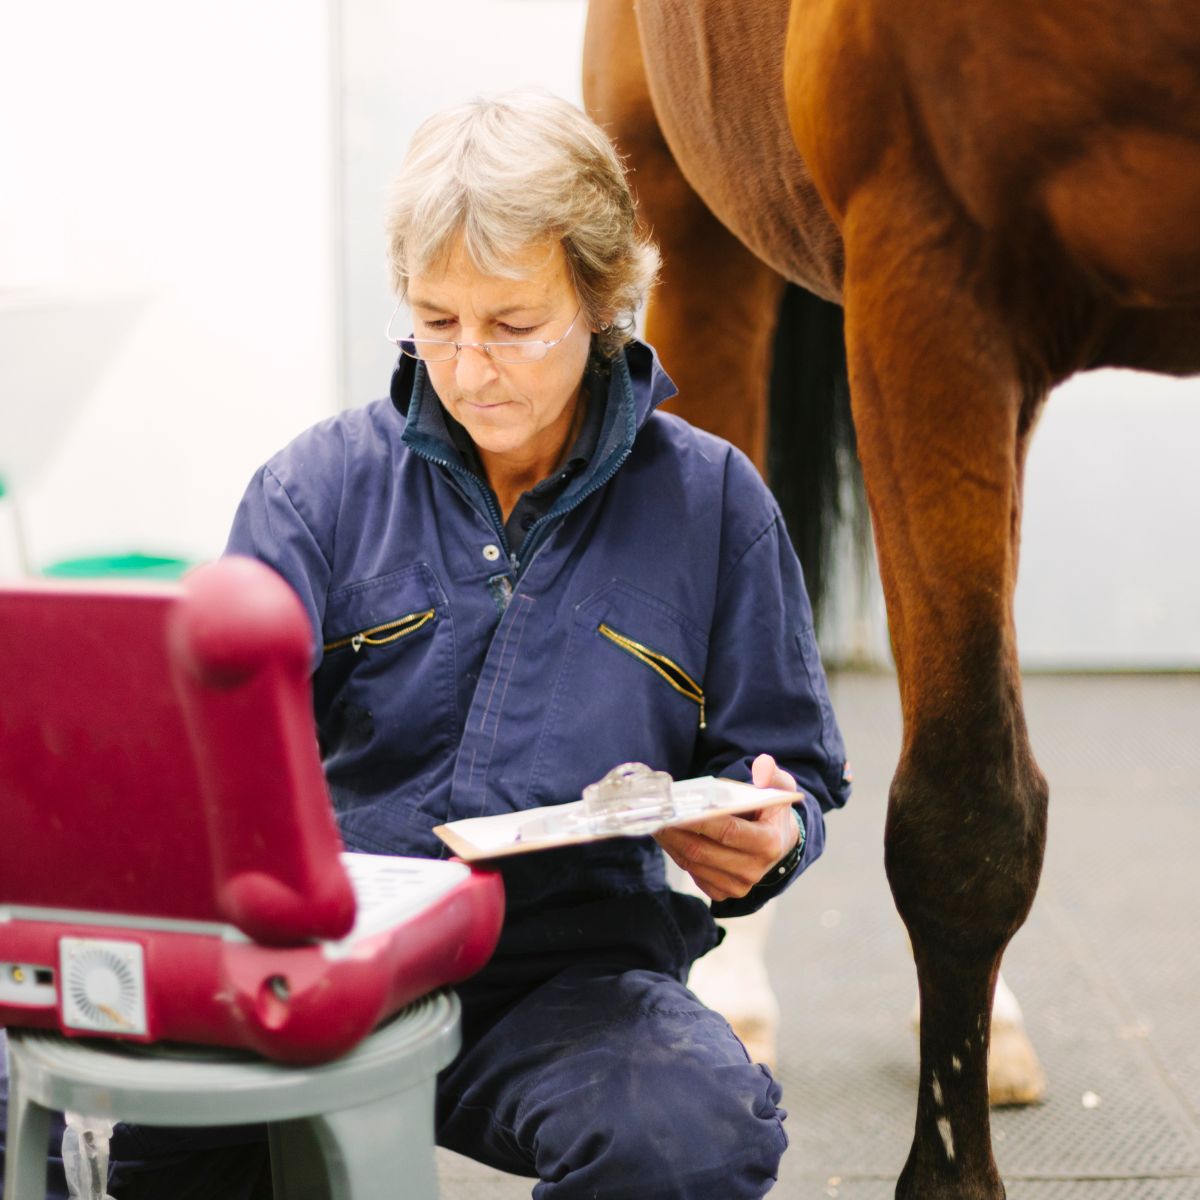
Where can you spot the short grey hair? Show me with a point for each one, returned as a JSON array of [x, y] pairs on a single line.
[[509, 171]]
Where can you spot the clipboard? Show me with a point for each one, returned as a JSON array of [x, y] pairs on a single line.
[[480, 839]]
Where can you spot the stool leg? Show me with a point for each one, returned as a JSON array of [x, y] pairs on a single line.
[[377, 1151], [28, 1142], [297, 1165]]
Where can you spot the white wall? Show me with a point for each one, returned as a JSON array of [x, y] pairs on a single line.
[[191, 247], [1108, 578], [1109, 572], [167, 180], [401, 64]]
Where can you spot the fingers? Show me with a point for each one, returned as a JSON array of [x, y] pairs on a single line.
[[728, 855], [739, 834], [766, 774], [720, 872], [715, 883], [721, 887]]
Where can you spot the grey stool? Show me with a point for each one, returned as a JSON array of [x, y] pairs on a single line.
[[358, 1128]]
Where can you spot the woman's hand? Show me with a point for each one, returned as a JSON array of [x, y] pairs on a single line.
[[727, 856]]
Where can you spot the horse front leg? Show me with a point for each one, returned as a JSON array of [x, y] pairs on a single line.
[[1015, 1075], [942, 417]]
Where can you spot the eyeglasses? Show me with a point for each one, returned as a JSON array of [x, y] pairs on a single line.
[[440, 350]]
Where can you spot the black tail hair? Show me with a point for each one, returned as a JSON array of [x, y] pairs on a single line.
[[812, 460]]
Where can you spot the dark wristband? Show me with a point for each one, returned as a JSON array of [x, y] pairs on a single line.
[[790, 861]]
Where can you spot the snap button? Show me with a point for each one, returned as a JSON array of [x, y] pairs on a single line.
[[491, 552]]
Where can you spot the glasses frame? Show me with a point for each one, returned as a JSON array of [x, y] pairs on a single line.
[[486, 347]]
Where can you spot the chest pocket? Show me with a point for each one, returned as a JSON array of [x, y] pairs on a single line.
[[384, 692], [630, 687], [385, 634], [660, 663]]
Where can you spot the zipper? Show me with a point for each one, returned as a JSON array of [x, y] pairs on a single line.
[[534, 538], [670, 670], [493, 509], [383, 635]]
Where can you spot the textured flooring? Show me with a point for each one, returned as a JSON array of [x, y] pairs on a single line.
[[1107, 968]]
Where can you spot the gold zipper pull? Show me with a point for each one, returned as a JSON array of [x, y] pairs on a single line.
[[703, 722], [356, 642]]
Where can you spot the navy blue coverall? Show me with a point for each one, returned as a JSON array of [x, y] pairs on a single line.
[[586, 1062]]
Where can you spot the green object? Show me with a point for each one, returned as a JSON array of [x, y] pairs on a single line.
[[136, 566]]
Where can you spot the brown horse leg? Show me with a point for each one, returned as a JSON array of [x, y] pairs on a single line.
[[942, 419], [713, 315]]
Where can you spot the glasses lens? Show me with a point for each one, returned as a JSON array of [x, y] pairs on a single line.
[[427, 350], [517, 352]]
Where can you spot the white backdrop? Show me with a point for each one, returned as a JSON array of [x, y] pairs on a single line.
[[1112, 503], [197, 193], [403, 62], [180, 155]]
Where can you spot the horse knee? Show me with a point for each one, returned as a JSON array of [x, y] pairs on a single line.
[[963, 856]]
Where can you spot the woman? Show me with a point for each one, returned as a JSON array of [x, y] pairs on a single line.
[[520, 574]]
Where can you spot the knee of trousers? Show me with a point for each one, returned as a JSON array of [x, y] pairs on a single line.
[[682, 1131]]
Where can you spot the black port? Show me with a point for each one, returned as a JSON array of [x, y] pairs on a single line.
[[43, 976]]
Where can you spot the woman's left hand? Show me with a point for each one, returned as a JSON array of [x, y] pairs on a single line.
[[727, 856]]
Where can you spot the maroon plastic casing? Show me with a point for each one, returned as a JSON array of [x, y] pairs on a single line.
[[158, 760]]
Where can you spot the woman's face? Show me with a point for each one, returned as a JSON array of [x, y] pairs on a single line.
[[517, 414]]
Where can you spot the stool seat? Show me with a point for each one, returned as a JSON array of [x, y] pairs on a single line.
[[343, 1130]]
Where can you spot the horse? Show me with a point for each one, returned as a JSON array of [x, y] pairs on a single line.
[[997, 197], [807, 451]]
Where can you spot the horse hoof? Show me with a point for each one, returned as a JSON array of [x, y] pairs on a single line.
[[759, 1038], [1015, 1075]]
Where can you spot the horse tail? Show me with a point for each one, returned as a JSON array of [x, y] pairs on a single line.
[[812, 459]]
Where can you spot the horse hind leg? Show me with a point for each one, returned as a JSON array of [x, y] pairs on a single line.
[[713, 315], [712, 319], [733, 980], [1015, 1075]]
